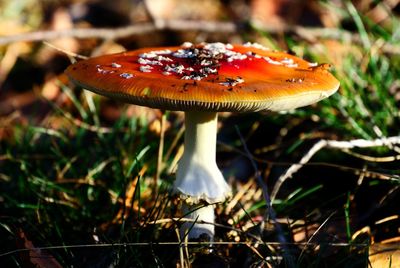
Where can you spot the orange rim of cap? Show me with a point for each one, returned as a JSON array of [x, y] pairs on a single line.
[[207, 77]]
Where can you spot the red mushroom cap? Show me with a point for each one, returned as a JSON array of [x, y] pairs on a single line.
[[208, 76]]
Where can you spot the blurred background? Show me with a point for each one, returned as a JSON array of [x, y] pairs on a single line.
[[79, 169]]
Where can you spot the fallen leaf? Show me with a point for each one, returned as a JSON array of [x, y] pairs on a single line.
[[385, 255], [34, 256]]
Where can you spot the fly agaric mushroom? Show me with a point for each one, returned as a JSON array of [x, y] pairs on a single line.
[[202, 80]]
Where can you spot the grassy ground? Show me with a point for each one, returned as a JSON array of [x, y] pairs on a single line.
[[81, 184]]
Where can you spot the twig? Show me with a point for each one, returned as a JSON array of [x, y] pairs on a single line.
[[69, 53], [343, 145], [313, 235], [172, 243], [257, 174], [219, 225], [368, 158], [84, 125], [311, 34], [181, 247], [174, 142], [160, 153], [115, 33], [357, 171], [270, 212]]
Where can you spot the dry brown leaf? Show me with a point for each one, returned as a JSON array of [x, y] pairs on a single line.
[[61, 21], [51, 89], [123, 213], [385, 255], [267, 12], [183, 9], [34, 256], [303, 234], [146, 113], [16, 102], [11, 55]]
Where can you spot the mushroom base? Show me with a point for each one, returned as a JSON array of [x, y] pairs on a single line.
[[202, 224]]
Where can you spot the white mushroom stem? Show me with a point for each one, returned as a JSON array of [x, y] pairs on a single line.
[[203, 213], [198, 177]]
